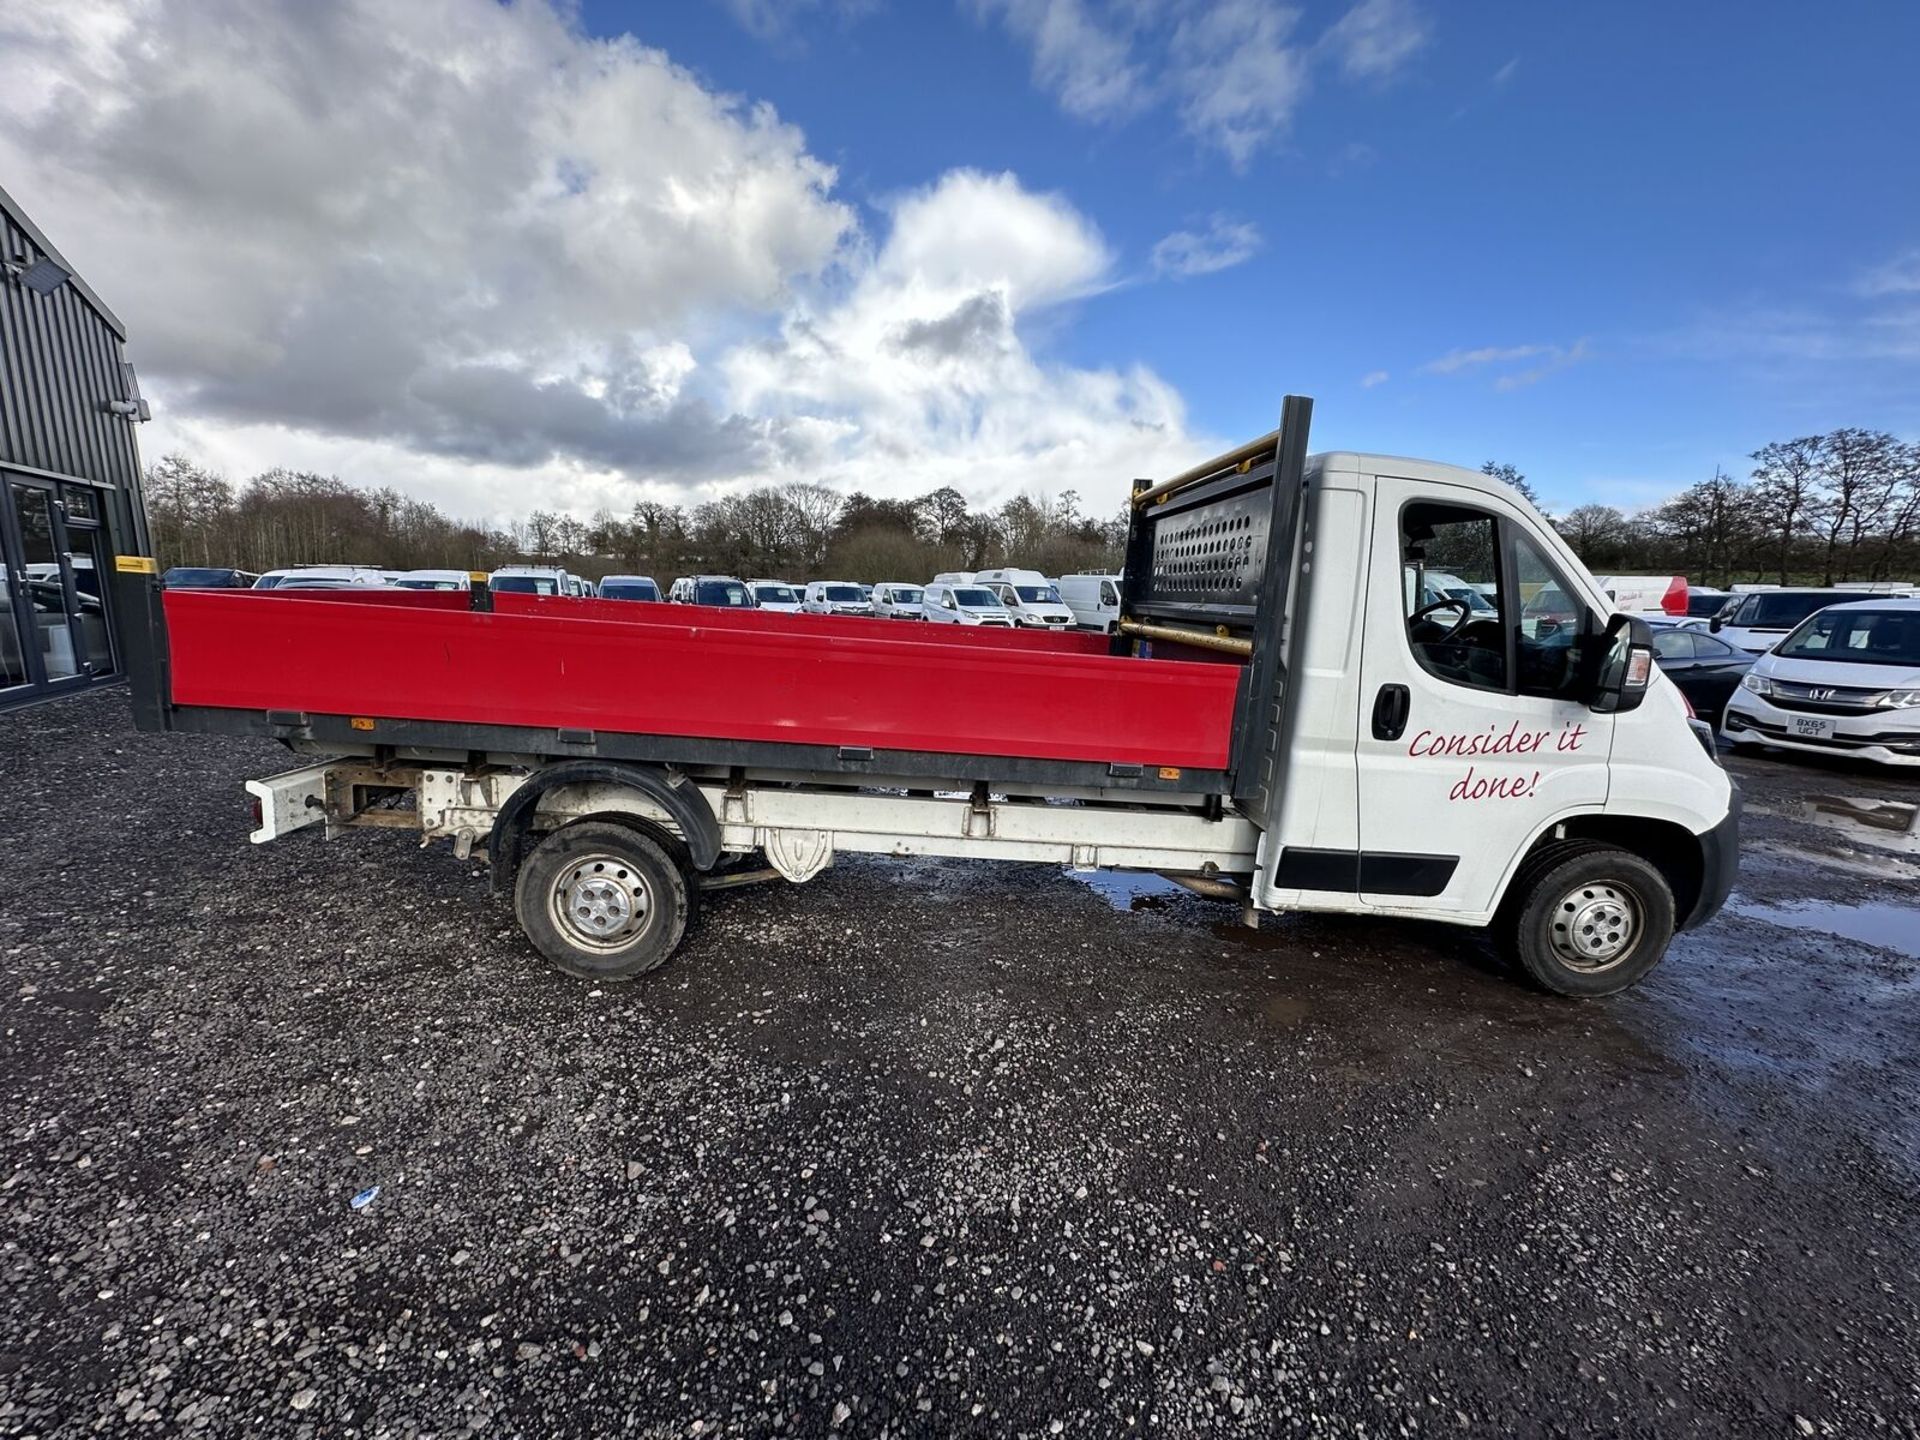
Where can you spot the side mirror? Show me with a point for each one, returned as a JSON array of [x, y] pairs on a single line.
[[1624, 667], [1715, 623]]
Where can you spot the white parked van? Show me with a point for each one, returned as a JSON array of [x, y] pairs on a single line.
[[319, 577], [836, 597], [775, 595], [1650, 595], [629, 587], [1029, 596], [1846, 681], [1764, 617], [721, 591], [964, 605], [1093, 599], [434, 580], [533, 580], [895, 601]]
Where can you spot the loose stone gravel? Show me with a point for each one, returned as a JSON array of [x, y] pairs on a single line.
[[918, 1148]]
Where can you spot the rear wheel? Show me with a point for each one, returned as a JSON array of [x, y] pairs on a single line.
[[1586, 919], [602, 901]]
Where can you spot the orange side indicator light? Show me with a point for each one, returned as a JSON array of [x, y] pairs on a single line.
[[361, 722], [1169, 772]]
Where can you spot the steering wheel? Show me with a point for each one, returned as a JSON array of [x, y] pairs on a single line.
[[1447, 603]]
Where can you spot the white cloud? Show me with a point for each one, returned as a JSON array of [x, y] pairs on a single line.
[[464, 249], [1224, 244], [1376, 38], [1898, 276], [1084, 60], [1548, 359], [778, 21], [459, 226], [1506, 72], [1373, 378], [917, 375], [1235, 71]]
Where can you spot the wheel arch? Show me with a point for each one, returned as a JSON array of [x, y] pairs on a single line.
[[1672, 849], [699, 830]]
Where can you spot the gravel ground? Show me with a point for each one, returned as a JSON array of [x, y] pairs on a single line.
[[924, 1148]]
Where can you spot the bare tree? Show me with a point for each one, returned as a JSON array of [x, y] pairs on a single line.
[[1787, 491]]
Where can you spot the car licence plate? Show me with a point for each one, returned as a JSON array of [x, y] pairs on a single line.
[[1808, 727]]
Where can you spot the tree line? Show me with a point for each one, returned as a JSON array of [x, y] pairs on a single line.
[[1813, 510], [798, 531], [1816, 509]]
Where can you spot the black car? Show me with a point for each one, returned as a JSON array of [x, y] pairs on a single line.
[[207, 577], [1706, 668]]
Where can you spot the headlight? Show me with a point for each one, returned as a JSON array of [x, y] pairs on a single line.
[[1758, 684], [1899, 699]]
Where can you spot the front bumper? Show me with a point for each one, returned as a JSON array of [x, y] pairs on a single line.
[[1888, 737], [1719, 863]]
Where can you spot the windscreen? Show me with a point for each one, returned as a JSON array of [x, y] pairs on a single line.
[[406, 584], [189, 577], [775, 595], [974, 598], [1469, 597], [844, 594], [1857, 637], [728, 593], [906, 595], [1783, 612], [629, 590], [526, 584], [1702, 604], [1037, 594], [268, 582]]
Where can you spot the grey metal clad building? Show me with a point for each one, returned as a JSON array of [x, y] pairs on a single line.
[[69, 469]]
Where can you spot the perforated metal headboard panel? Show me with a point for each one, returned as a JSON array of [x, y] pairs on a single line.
[[1204, 552]]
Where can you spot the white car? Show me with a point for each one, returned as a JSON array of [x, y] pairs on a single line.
[[1094, 600], [320, 577], [894, 601], [1030, 598], [964, 605], [775, 595], [836, 597], [1846, 682]]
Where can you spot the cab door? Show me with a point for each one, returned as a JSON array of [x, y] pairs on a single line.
[[1473, 734]]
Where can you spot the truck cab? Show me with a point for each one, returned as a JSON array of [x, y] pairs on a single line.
[[1441, 752]]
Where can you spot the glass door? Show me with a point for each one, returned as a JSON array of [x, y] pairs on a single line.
[[46, 608]]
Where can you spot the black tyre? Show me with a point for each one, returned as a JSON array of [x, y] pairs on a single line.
[[1586, 919], [602, 901]]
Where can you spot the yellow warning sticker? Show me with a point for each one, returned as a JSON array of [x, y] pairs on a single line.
[[136, 564]]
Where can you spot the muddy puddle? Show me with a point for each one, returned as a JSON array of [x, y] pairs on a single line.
[[1885, 925], [1129, 889]]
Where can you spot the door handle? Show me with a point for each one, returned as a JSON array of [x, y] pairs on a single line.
[[1390, 708]]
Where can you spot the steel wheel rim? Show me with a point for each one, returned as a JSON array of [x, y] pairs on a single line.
[[600, 903], [1595, 926]]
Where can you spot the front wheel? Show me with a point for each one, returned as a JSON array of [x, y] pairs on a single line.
[[601, 901], [1586, 919]]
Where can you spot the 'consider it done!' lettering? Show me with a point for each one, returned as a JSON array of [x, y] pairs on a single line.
[[1494, 741]]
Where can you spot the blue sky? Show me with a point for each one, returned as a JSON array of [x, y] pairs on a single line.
[[508, 255], [1689, 204]]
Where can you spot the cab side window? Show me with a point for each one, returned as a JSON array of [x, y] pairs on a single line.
[[1449, 559], [1546, 640]]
